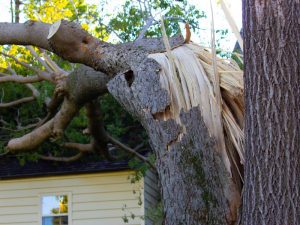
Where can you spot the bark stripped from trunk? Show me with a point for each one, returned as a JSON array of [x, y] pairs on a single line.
[[272, 85]]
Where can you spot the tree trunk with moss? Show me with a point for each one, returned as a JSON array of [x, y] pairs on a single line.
[[272, 86]]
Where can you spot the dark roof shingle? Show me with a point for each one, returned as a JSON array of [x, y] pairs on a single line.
[[10, 167]]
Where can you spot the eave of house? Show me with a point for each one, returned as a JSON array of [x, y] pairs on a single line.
[[10, 168]]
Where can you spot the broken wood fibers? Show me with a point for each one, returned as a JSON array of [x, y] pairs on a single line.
[[187, 74]]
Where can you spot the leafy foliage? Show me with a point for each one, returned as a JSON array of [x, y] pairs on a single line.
[[129, 22]]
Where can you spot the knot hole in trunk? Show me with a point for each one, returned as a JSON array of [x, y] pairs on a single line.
[[129, 76]]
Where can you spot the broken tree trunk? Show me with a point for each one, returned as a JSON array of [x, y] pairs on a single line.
[[196, 186]]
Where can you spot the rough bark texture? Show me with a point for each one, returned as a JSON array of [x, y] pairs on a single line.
[[272, 86]]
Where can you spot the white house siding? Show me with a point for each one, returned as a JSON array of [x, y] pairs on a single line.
[[96, 199]]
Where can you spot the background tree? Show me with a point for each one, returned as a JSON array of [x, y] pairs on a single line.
[[272, 81]]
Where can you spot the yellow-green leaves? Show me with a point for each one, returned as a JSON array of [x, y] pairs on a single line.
[[49, 11]]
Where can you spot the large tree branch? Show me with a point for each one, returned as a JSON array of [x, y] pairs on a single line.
[[81, 47], [31, 140], [29, 33]]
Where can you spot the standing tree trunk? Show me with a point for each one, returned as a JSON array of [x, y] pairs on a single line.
[[17, 11], [272, 86]]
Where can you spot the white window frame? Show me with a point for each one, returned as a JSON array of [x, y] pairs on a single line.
[[69, 214]]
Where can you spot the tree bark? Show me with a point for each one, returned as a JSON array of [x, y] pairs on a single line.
[[196, 187], [272, 86]]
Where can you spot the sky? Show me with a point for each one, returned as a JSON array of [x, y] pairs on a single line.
[[203, 38]]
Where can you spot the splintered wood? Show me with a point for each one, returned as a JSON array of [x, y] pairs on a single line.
[[187, 74]]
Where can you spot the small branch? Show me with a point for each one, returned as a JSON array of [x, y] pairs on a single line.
[[17, 102], [111, 30], [75, 9], [151, 21], [52, 64], [4, 153], [27, 126], [62, 159], [35, 94], [148, 24], [4, 122], [187, 33], [19, 79], [82, 148], [141, 9], [22, 63], [79, 147], [36, 55], [13, 72], [130, 150]]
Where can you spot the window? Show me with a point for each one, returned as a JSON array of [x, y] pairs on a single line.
[[55, 210]]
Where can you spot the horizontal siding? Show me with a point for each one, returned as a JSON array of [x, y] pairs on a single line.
[[16, 210], [24, 201], [86, 206], [106, 221], [20, 223], [20, 218], [97, 199], [91, 188], [107, 213]]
